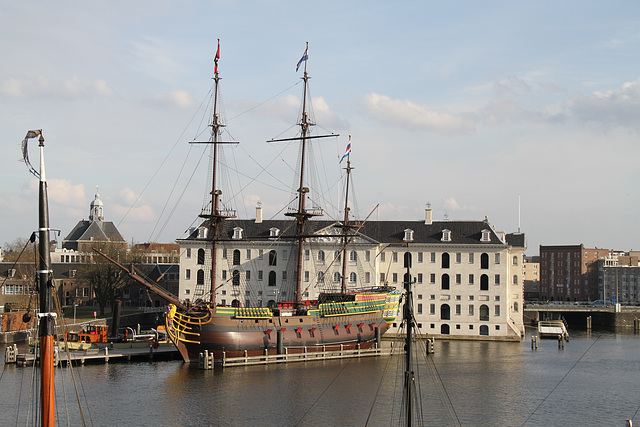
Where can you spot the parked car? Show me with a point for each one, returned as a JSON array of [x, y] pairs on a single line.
[[601, 303]]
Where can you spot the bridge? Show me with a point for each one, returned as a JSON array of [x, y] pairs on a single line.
[[576, 315]]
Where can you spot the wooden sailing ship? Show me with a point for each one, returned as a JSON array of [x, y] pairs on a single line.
[[339, 319]]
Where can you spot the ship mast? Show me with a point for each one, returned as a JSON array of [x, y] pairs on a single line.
[[302, 214], [345, 226], [45, 288], [217, 215]]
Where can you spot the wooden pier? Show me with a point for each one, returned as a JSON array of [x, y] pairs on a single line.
[[206, 360], [101, 355]]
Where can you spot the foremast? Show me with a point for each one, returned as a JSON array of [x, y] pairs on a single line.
[[216, 215], [345, 228]]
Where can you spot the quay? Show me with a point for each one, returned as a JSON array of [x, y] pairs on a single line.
[[97, 355], [584, 316]]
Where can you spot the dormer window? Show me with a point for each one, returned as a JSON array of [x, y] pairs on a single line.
[[237, 233], [486, 236], [274, 232], [408, 235], [202, 233], [446, 235]]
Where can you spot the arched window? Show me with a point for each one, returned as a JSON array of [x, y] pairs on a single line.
[[320, 277], [484, 313], [515, 260], [353, 277], [484, 261], [445, 282], [321, 256], [515, 279], [484, 330], [445, 312], [273, 258], [484, 282], [337, 256], [271, 304], [336, 276], [445, 260], [200, 256], [236, 303], [515, 306], [200, 277], [444, 329], [353, 256], [236, 257], [235, 278], [407, 260], [272, 278]]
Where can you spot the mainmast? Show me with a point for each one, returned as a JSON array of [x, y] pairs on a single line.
[[302, 214], [217, 215], [345, 222], [45, 288]]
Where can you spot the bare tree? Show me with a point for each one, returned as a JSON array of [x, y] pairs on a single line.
[[106, 279]]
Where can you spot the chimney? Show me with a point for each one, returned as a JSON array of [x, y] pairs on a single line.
[[259, 213], [428, 219]]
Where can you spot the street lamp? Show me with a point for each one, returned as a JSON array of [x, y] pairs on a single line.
[[74, 313]]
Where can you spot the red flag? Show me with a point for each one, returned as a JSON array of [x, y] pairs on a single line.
[[215, 68]]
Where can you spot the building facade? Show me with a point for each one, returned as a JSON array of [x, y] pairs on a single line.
[[570, 272], [467, 278], [619, 278], [531, 276]]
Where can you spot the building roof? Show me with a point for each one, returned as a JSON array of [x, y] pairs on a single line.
[[461, 232], [92, 231]]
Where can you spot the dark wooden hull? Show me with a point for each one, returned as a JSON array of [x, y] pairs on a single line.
[[251, 337]]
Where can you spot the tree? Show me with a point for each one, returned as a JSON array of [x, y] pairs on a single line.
[[21, 249], [106, 279]]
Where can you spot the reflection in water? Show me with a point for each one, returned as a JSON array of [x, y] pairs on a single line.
[[593, 381]]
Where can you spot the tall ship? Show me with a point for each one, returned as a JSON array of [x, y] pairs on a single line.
[[286, 309]]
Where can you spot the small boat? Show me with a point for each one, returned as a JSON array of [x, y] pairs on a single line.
[[96, 337], [553, 329]]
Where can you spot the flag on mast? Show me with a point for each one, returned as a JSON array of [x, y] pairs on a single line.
[[348, 150], [215, 68], [305, 56]]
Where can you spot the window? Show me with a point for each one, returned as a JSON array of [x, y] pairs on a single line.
[[200, 256], [515, 260], [353, 256], [394, 256], [497, 310], [484, 282], [273, 258], [471, 258], [236, 257], [497, 279], [320, 277], [445, 312], [200, 277], [515, 279], [224, 274], [484, 313], [382, 257], [458, 279], [381, 277], [188, 252], [419, 256], [458, 258], [471, 279], [260, 275], [248, 253], [486, 236], [419, 277], [260, 254], [187, 273], [306, 276], [395, 277], [336, 277], [408, 235], [458, 309], [515, 306], [284, 276], [237, 233], [433, 257], [367, 277], [497, 258], [272, 278], [353, 277], [321, 256], [470, 309], [248, 275], [446, 235], [432, 309], [445, 260], [235, 278], [484, 261], [432, 278], [445, 282], [274, 232]]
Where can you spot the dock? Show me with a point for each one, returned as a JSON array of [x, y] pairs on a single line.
[[553, 329], [97, 355]]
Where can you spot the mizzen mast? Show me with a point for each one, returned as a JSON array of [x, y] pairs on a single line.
[[216, 215]]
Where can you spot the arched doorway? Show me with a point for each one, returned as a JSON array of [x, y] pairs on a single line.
[[444, 329], [484, 330]]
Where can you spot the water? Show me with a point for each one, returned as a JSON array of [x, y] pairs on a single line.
[[592, 382]]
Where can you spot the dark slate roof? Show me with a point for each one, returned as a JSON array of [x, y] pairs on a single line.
[[462, 232], [517, 240], [93, 230]]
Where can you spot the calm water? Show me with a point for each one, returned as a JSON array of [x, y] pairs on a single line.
[[594, 381]]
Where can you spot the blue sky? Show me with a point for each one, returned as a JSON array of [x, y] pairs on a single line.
[[468, 106]]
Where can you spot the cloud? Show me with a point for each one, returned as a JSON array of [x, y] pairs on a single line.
[[609, 108], [74, 87], [452, 205], [176, 98], [406, 114]]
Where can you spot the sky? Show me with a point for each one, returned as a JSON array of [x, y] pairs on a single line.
[[527, 113]]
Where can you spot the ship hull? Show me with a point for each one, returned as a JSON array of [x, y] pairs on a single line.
[[224, 336]]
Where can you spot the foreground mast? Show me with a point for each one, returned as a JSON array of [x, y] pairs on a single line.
[[45, 288]]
